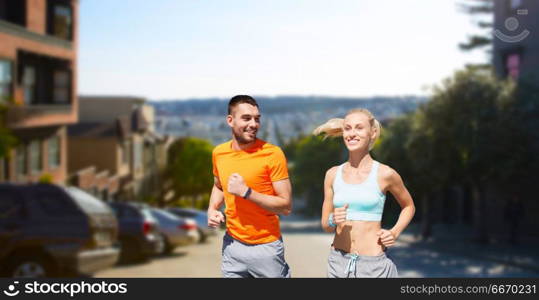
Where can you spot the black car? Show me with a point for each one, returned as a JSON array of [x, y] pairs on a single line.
[[138, 235], [49, 230]]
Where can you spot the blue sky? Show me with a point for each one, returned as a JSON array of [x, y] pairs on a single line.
[[176, 49]]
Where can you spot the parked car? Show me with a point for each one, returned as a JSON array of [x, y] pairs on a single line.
[[201, 217], [48, 231], [138, 234], [175, 230]]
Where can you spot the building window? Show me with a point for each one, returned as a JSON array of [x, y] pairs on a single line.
[[513, 65], [61, 87], [29, 84], [13, 11], [126, 152], [60, 19], [35, 156], [137, 156], [21, 161], [5, 80], [54, 152]]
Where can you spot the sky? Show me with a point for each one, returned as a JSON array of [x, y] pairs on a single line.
[[179, 49]]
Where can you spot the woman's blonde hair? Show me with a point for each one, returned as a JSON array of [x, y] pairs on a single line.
[[334, 127]]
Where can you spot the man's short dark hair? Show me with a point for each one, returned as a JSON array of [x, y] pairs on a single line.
[[239, 99]]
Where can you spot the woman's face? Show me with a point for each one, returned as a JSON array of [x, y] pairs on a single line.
[[357, 131]]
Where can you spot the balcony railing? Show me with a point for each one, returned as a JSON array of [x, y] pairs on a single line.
[[19, 116], [20, 31]]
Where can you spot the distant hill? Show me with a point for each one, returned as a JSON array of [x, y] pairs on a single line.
[[288, 104]]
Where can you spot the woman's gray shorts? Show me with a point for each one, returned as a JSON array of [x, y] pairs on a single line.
[[346, 265]]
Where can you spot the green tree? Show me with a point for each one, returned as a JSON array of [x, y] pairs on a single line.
[[312, 157], [479, 41], [190, 168]]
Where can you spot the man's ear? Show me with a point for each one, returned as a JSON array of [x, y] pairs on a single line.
[[229, 119]]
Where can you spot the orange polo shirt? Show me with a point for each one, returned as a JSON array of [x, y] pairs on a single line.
[[260, 165]]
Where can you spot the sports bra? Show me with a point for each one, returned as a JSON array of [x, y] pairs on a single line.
[[365, 200]]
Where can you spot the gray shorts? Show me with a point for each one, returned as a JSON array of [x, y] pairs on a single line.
[[346, 265], [240, 260]]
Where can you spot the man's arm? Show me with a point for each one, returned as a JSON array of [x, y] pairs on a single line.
[[215, 216], [278, 204]]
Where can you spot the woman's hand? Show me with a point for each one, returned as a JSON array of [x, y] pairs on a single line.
[[386, 237], [339, 215]]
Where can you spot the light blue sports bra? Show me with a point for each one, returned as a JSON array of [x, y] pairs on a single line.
[[365, 200]]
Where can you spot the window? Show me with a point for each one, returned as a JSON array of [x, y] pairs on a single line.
[[60, 19], [513, 65], [61, 87], [13, 11], [137, 155], [5, 80], [21, 161], [29, 84], [10, 205], [53, 202], [35, 156], [126, 152], [54, 152]]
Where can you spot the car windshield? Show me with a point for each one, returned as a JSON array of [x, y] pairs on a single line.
[[87, 202]]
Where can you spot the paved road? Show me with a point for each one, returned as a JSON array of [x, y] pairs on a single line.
[[306, 252]]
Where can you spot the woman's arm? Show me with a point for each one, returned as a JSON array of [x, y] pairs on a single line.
[[327, 206], [396, 187]]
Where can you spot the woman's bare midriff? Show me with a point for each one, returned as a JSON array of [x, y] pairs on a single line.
[[359, 237]]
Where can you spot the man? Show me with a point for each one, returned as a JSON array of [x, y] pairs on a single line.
[[251, 177]]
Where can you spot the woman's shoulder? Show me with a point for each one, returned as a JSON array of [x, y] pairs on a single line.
[[386, 172], [330, 173]]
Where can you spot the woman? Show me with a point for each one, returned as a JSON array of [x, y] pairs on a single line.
[[354, 196]]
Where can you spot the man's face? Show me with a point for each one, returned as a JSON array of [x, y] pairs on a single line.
[[244, 121]]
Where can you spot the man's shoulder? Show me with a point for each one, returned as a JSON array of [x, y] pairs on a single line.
[[266, 146], [222, 147]]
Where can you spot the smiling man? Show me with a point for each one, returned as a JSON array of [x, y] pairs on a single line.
[[251, 178]]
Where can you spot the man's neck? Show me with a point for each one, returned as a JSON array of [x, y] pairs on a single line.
[[236, 146]]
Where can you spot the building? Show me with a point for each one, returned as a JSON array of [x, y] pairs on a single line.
[[120, 132], [516, 38], [38, 72]]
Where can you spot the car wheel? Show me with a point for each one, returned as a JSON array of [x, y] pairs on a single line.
[[202, 237], [161, 246], [30, 267]]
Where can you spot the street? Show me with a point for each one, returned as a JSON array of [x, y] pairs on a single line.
[[306, 252]]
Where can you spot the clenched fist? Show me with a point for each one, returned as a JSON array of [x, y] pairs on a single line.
[[215, 218], [236, 185], [339, 215], [387, 238]]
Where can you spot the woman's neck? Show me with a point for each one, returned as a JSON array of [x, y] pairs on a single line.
[[360, 160]]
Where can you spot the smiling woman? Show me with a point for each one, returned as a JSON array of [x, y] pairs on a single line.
[[354, 197]]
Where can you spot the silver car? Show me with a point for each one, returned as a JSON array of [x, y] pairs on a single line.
[[200, 216], [175, 231]]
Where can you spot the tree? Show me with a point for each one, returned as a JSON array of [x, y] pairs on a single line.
[[312, 157], [190, 167], [484, 41]]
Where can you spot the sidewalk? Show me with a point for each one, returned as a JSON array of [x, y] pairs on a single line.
[[458, 240], [453, 239]]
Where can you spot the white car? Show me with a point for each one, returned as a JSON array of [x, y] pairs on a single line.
[[176, 231]]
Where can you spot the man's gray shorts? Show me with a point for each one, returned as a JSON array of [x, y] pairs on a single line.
[[346, 265], [240, 260]]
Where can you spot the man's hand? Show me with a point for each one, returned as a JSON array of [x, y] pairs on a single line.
[[236, 185], [339, 215], [215, 218]]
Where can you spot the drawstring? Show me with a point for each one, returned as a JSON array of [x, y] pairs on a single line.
[[351, 267]]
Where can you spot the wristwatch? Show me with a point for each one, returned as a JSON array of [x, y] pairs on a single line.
[[248, 193]]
